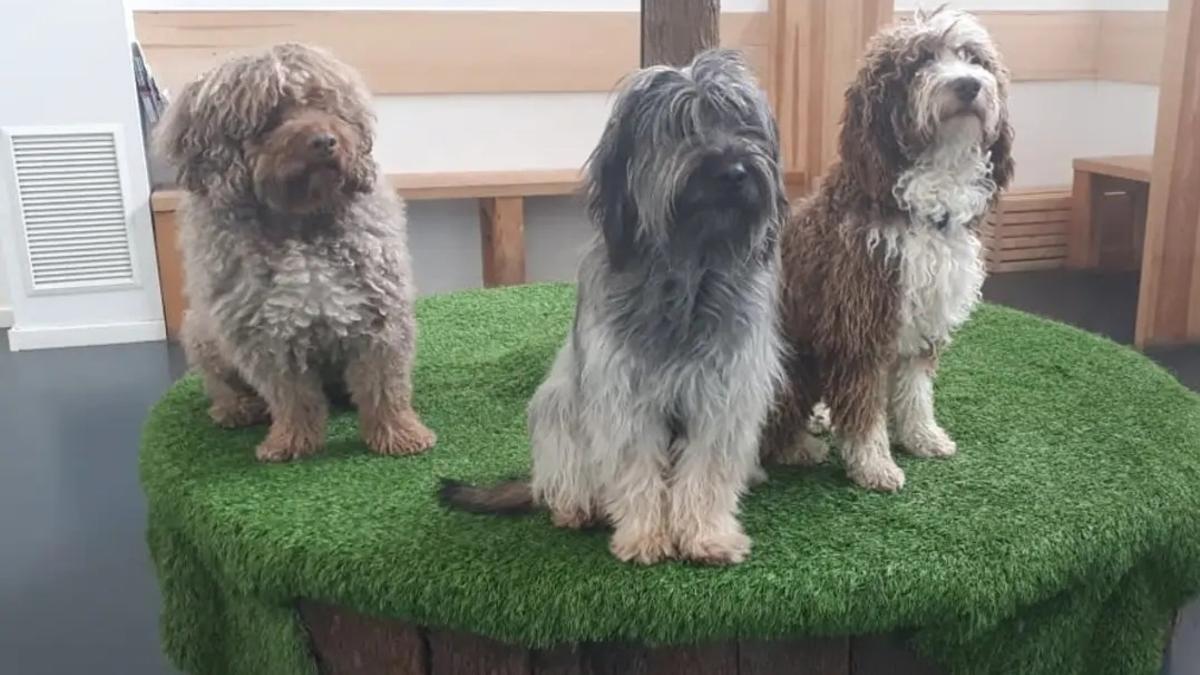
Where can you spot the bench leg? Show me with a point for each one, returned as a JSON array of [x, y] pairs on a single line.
[[502, 230], [1082, 239]]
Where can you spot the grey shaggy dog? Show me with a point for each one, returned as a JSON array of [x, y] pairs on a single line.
[[297, 269], [650, 415]]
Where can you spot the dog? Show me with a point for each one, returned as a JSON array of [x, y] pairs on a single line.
[[650, 416], [296, 264], [882, 263]]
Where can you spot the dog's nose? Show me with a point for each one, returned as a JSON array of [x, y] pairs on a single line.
[[734, 173], [966, 88], [323, 142]]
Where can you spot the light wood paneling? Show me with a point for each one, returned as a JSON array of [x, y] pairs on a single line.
[[170, 270], [1078, 45], [816, 47], [1131, 46], [1169, 300], [424, 52], [431, 52], [1129, 167], [1046, 45]]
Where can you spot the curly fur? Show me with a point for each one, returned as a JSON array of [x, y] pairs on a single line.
[[651, 414], [883, 262], [295, 257]]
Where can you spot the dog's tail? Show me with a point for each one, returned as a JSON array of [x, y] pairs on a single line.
[[508, 498]]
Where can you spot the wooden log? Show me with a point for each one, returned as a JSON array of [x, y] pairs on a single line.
[[345, 642], [674, 31], [455, 653], [826, 656], [878, 654]]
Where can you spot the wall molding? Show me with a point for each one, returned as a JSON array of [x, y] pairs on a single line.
[[6, 317], [20, 338]]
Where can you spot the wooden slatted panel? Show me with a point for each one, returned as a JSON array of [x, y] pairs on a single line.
[[1028, 230]]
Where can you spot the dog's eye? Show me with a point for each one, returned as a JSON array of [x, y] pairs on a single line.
[[969, 56]]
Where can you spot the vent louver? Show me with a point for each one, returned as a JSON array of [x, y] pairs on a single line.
[[72, 207]]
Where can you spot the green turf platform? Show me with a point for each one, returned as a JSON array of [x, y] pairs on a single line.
[[1059, 540]]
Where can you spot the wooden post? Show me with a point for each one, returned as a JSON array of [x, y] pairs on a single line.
[[674, 31], [816, 47], [502, 233], [1169, 296]]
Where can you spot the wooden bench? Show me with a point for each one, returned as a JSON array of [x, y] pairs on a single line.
[[501, 196], [1108, 222]]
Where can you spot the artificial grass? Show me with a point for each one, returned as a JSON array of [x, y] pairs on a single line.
[[1059, 540]]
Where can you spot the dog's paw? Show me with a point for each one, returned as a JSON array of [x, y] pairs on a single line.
[[716, 548], [757, 476], [242, 412], [573, 519], [821, 420], [930, 442], [641, 548], [405, 435], [805, 450], [282, 447], [881, 475]]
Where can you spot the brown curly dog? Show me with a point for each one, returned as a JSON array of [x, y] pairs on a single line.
[[295, 256]]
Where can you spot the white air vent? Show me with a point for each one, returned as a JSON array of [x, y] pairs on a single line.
[[72, 207]]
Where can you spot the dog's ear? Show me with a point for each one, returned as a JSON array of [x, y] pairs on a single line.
[[874, 124], [1000, 151], [194, 136], [610, 203], [363, 171], [176, 139]]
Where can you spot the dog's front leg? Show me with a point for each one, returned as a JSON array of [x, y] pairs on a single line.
[[234, 403], [858, 407], [637, 498], [298, 412], [381, 387], [712, 470], [912, 409]]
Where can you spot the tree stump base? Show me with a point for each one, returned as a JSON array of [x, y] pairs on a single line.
[[345, 642]]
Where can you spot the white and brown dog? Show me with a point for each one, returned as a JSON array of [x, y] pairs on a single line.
[[883, 263]]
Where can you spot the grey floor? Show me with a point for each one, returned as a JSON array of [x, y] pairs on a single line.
[[77, 593]]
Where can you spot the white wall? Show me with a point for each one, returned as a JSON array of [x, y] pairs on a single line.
[[82, 76], [6, 313], [1056, 122]]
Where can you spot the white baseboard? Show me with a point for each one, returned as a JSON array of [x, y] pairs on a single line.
[[6, 317], [84, 336]]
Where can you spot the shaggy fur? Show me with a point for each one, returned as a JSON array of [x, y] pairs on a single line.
[[883, 262], [650, 415], [297, 269]]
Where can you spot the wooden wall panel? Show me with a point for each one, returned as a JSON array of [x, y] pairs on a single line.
[[431, 52], [1131, 46], [817, 46], [1046, 45], [1169, 296]]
